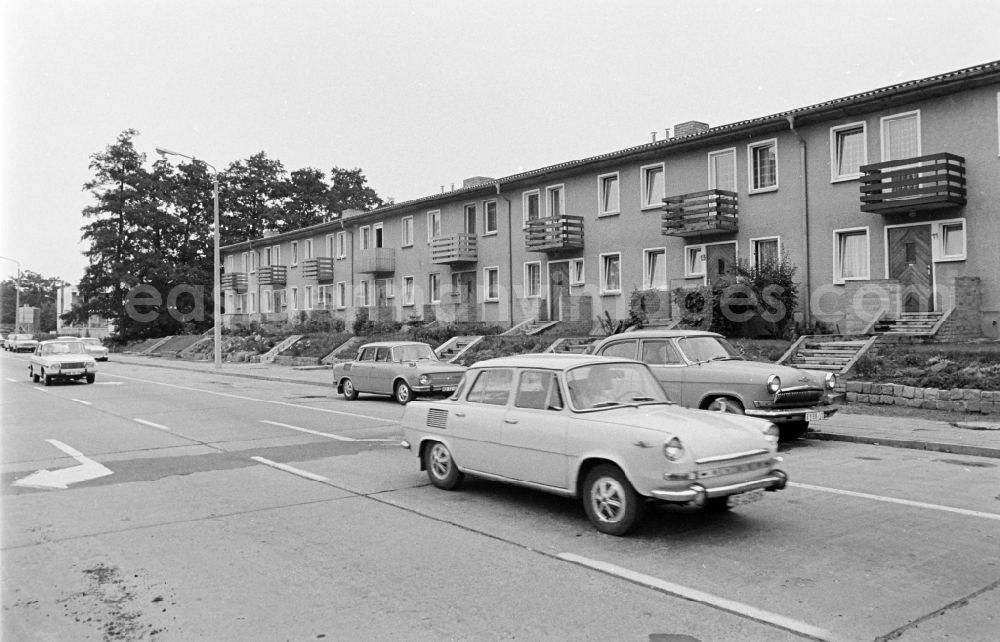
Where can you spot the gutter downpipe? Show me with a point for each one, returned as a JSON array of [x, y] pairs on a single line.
[[350, 235], [510, 258], [807, 317]]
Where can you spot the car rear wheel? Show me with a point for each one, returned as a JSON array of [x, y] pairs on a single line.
[[90, 378], [441, 468], [611, 503], [403, 392], [46, 378], [725, 404], [350, 392], [717, 504]]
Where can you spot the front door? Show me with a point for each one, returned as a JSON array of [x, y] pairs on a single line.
[[381, 293], [558, 288], [720, 262], [910, 262], [464, 283]]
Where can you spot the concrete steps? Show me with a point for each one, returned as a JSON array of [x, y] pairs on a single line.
[[573, 345], [911, 323], [455, 347], [830, 353]]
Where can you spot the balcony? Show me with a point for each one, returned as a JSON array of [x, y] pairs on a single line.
[[929, 182], [460, 248], [554, 234], [272, 275], [319, 270], [377, 260], [234, 281], [714, 211]]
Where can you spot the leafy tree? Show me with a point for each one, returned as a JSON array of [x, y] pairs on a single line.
[[37, 291], [349, 190], [252, 198]]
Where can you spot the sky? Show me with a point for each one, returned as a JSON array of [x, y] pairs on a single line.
[[419, 94]]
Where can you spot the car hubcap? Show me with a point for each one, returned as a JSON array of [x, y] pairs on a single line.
[[440, 462], [348, 388], [403, 392], [607, 498]]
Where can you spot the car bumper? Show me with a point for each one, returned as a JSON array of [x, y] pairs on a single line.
[[434, 390], [696, 493], [784, 415]]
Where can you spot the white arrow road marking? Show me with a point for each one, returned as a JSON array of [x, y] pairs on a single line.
[[321, 434], [62, 478]]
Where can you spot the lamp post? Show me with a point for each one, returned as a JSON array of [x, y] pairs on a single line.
[[17, 291], [217, 280]]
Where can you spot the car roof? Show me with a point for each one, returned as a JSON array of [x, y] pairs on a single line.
[[393, 344], [662, 334], [548, 360]]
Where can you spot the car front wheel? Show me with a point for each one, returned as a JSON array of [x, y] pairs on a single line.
[[725, 404], [611, 503], [46, 378], [792, 430], [441, 468], [403, 393], [91, 378], [350, 392]]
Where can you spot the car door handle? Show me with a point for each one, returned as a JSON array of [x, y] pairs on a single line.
[[510, 421], [459, 414]]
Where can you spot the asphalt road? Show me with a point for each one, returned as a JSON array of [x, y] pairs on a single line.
[[206, 507]]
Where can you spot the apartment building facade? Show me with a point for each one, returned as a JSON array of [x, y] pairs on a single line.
[[886, 202]]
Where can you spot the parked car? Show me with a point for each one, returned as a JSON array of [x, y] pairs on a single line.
[[21, 343], [95, 348], [703, 370], [403, 369], [60, 361], [595, 428]]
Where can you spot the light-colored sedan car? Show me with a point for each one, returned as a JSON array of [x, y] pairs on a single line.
[[95, 348], [21, 343], [595, 428], [703, 370], [61, 361], [403, 369]]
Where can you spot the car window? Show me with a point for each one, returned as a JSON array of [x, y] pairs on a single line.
[[492, 387], [708, 349], [539, 390], [660, 352], [382, 354], [612, 384], [623, 349], [367, 354], [414, 352]]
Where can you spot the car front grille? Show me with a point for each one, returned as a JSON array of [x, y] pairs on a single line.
[[445, 378], [733, 469], [800, 397], [72, 366], [437, 418]]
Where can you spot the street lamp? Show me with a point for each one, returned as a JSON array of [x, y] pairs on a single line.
[[217, 281], [17, 291]]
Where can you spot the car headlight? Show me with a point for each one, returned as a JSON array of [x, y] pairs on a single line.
[[831, 380], [772, 433], [773, 384], [673, 450], [424, 380]]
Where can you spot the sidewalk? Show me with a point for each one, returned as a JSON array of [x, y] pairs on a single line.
[[965, 435]]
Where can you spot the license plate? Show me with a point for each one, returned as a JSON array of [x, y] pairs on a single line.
[[749, 497], [815, 416], [448, 388], [72, 372]]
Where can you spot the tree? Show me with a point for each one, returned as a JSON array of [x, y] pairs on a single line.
[[37, 291], [349, 190], [252, 197]]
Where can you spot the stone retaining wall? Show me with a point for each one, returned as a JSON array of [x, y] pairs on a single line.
[[956, 400]]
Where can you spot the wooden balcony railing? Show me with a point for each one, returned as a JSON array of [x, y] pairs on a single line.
[[709, 212], [378, 260], [234, 281], [272, 275], [554, 234], [318, 269], [458, 248], [923, 183]]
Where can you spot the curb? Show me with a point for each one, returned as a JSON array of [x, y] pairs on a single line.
[[242, 375], [912, 444]]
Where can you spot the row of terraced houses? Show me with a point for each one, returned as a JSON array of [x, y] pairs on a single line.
[[886, 202]]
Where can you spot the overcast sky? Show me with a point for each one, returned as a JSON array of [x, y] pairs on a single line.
[[420, 94]]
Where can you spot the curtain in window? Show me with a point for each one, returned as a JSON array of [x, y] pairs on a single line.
[[766, 252], [853, 260], [612, 273], [609, 194], [850, 151], [764, 167], [656, 270], [534, 283], [953, 240], [654, 186], [724, 171], [555, 202], [532, 206], [901, 138]]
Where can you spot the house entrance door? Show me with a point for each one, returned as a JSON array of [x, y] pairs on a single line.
[[464, 284], [558, 288], [720, 262], [911, 263]]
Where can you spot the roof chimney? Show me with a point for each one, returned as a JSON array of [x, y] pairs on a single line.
[[690, 128], [476, 181]]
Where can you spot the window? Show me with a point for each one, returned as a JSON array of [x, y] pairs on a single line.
[[653, 186], [307, 249], [407, 290], [246, 261], [608, 199], [470, 218], [276, 255], [341, 294], [901, 136], [254, 261], [293, 298], [330, 247], [951, 241], [554, 201], [694, 260], [848, 151], [763, 162], [434, 287], [241, 303], [324, 297], [490, 217], [342, 245], [377, 235], [722, 170], [433, 225], [533, 279], [366, 237], [364, 294], [660, 353], [766, 251], [621, 349], [611, 274], [576, 272], [230, 259], [295, 252], [252, 302], [538, 390], [850, 259], [267, 256], [390, 288], [492, 386], [407, 231], [532, 211], [654, 270], [491, 279]]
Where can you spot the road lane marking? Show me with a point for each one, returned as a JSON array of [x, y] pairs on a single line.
[[321, 434], [291, 469], [738, 608], [41, 389], [245, 398], [151, 424], [893, 500], [108, 383], [14, 380], [86, 403], [62, 478]]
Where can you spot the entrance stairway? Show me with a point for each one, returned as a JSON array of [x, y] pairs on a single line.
[[530, 327], [572, 345], [833, 353], [921, 324], [455, 347]]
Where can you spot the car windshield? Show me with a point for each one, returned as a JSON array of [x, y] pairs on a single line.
[[415, 352], [606, 385], [22, 337], [92, 342], [63, 347], [708, 349]]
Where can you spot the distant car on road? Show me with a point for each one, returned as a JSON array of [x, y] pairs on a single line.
[[402, 369], [61, 361], [703, 370], [21, 343], [596, 428], [95, 348]]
